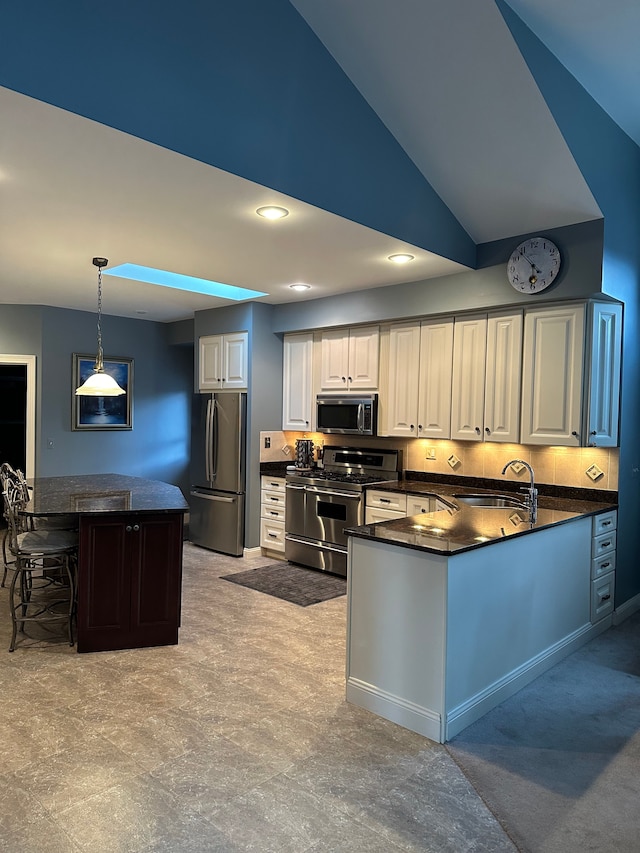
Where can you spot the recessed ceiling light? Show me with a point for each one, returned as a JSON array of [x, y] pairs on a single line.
[[272, 212], [300, 286], [401, 258], [183, 282]]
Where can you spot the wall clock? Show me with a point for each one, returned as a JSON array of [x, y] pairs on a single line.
[[533, 265]]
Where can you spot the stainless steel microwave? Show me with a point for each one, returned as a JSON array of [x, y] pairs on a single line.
[[347, 414]]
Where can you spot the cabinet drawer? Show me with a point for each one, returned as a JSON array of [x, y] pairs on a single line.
[[271, 498], [387, 500], [603, 565], [605, 522], [272, 535], [603, 544], [417, 504], [273, 484], [602, 591], [272, 512], [374, 514]]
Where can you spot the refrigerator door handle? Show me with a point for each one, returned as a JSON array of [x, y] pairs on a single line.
[[218, 498], [214, 439], [207, 441]]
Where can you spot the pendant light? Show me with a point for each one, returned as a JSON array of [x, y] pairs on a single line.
[[99, 384]]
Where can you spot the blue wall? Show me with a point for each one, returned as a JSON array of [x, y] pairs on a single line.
[[245, 86], [158, 445]]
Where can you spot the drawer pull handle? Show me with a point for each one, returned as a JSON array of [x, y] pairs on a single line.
[[605, 598], [385, 501], [605, 565], [272, 512], [606, 523], [275, 500], [273, 535], [605, 544]]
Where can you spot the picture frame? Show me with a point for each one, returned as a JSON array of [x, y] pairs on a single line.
[[102, 413]]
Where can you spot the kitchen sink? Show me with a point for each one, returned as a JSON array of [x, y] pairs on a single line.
[[495, 501]]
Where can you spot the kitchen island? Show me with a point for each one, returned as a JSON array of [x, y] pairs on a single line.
[[129, 556], [451, 612]]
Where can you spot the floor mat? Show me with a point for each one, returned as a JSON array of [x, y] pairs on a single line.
[[291, 583]]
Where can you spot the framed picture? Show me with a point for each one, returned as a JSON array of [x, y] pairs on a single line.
[[106, 413]]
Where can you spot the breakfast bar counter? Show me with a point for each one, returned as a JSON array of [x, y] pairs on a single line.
[[450, 612], [129, 556]]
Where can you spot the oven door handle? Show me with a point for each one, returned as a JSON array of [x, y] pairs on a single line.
[[334, 493], [295, 488]]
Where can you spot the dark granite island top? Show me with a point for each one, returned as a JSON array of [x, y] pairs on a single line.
[[90, 494]]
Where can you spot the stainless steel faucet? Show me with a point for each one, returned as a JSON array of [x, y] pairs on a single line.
[[531, 500]]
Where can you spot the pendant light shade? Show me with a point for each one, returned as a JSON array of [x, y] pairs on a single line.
[[99, 384]]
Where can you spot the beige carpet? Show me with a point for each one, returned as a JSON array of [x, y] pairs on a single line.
[[559, 763]]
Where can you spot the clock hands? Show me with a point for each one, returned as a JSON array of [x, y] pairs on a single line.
[[534, 269]]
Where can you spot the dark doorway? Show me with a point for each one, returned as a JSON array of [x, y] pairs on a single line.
[[13, 414]]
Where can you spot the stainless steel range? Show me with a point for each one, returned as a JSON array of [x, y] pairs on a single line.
[[322, 502]]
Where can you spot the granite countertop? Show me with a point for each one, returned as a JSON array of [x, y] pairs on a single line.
[[461, 527], [90, 494]]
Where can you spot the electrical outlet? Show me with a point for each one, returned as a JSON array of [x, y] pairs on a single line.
[[267, 442], [431, 453]]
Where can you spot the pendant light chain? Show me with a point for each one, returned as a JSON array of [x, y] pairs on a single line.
[[99, 358]]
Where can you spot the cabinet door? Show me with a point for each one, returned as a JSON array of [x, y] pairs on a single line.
[[210, 363], [417, 504], [156, 579], [364, 348], [104, 586], [235, 361], [402, 391], [467, 402], [552, 376], [603, 394], [334, 360], [434, 392], [297, 382], [503, 378]]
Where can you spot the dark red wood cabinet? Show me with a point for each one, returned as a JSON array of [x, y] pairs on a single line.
[[129, 581]]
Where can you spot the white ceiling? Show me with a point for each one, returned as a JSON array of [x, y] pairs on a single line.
[[449, 84]]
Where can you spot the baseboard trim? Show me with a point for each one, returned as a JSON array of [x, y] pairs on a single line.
[[414, 717], [477, 706], [630, 606], [252, 552]]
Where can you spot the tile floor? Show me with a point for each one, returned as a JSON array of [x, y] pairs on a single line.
[[237, 739]]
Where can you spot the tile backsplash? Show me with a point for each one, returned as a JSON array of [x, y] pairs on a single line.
[[556, 466]]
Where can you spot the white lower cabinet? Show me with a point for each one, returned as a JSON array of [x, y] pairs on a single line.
[[603, 564], [272, 510], [383, 506]]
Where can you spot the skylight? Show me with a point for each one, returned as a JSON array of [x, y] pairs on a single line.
[[183, 282]]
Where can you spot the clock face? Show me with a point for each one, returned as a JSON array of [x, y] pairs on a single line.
[[533, 265]]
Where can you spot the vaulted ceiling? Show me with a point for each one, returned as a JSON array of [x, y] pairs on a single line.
[[447, 81]]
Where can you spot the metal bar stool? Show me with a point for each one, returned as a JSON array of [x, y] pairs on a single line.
[[43, 587]]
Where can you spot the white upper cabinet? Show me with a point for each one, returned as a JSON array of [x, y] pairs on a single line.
[[349, 359], [467, 401], [503, 378], [401, 398], [487, 363], [297, 400], [418, 394], [223, 362], [434, 390], [552, 375], [603, 392]]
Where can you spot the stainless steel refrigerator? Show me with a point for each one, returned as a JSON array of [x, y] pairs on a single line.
[[218, 450]]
